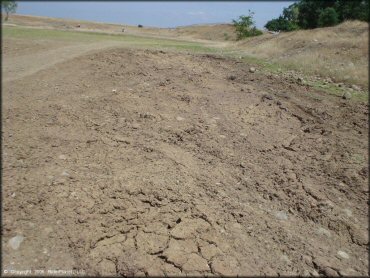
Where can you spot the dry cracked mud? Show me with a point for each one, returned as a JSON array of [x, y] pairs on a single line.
[[138, 162]]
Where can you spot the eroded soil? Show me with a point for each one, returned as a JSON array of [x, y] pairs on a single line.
[[132, 162]]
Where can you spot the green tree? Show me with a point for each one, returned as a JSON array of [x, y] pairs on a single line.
[[328, 17], [309, 11], [354, 9], [291, 13], [281, 24], [273, 25], [288, 21], [309, 14], [245, 26], [9, 6]]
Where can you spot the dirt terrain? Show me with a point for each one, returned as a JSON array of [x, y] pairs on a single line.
[[139, 162]]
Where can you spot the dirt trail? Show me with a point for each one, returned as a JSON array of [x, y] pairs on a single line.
[[19, 66], [133, 162]]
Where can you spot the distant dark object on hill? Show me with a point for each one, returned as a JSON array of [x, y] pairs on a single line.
[[140, 26]]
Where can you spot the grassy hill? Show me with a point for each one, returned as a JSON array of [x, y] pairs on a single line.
[[213, 32], [339, 52]]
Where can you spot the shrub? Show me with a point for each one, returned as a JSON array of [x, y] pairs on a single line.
[[245, 26]]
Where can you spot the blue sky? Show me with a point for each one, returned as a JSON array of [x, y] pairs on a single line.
[[158, 14]]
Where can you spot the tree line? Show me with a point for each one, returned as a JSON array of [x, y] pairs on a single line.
[[307, 14]]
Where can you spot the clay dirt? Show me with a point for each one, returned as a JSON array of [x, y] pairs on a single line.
[[129, 155]]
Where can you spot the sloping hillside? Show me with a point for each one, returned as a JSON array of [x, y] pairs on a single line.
[[214, 32], [339, 52]]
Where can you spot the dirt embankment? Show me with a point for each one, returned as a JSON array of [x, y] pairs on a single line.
[[136, 162]]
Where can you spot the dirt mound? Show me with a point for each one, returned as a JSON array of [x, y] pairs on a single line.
[[152, 163]]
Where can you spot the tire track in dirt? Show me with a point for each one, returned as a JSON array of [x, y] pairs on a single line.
[[182, 170]]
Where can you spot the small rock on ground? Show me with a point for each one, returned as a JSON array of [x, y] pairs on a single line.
[[281, 215], [16, 241], [355, 87], [343, 254], [65, 174], [62, 156], [347, 95], [330, 272], [322, 231]]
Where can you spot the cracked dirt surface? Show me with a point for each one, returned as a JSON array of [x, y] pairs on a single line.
[[133, 162]]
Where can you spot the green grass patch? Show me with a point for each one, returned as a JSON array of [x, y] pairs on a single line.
[[45, 34], [265, 66], [338, 91], [89, 37]]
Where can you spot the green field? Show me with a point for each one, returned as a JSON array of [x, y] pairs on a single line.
[[89, 37]]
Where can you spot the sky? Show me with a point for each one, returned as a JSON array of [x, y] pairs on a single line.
[[156, 14]]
